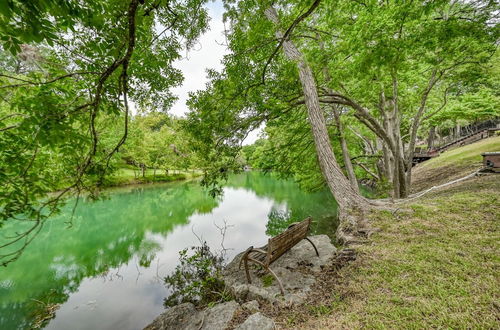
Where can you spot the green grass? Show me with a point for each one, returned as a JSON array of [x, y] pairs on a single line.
[[267, 280], [433, 264], [466, 155], [452, 164], [126, 176]]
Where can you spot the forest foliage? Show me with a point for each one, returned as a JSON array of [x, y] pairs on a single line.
[[69, 72], [85, 87]]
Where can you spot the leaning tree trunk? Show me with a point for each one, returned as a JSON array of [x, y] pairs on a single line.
[[345, 195]]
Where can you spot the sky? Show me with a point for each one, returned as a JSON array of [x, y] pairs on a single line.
[[207, 54]]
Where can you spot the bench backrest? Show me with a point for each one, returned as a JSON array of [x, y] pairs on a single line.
[[278, 245]]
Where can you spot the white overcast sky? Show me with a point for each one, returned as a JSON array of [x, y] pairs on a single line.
[[207, 54]]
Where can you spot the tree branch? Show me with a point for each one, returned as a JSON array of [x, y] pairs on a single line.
[[287, 34]]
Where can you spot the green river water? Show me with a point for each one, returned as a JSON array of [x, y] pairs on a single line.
[[106, 270]]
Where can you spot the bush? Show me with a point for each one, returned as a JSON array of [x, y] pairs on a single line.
[[198, 278]]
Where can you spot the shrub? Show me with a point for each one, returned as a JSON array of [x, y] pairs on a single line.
[[198, 278]]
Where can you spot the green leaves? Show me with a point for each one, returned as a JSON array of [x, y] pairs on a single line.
[[64, 73], [198, 278]]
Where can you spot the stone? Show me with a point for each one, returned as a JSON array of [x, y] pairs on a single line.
[[239, 292], [219, 316], [256, 321], [185, 316], [289, 268], [303, 254], [251, 306]]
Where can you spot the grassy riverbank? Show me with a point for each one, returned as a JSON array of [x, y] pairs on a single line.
[[433, 263], [126, 176]]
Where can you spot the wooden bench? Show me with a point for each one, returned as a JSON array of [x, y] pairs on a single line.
[[276, 247]]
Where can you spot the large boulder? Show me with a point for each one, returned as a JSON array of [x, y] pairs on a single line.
[[186, 316], [183, 316], [219, 316], [256, 321], [296, 270]]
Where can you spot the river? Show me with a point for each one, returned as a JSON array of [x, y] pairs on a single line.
[[104, 267]]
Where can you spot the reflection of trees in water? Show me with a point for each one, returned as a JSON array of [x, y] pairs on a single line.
[[103, 236], [298, 204], [278, 220]]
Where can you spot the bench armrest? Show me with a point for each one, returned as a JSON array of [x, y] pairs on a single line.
[[259, 250]]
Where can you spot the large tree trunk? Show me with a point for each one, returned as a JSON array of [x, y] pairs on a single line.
[[345, 195], [383, 174], [394, 155], [388, 162], [430, 139], [345, 151]]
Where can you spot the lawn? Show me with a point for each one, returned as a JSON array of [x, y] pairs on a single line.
[[452, 164], [125, 176], [433, 262]]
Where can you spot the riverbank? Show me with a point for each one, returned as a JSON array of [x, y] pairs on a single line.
[[126, 176], [432, 263]]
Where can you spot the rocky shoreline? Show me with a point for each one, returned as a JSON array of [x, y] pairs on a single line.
[[298, 270]]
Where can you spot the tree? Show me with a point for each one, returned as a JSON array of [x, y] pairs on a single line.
[[389, 60], [341, 189], [69, 67], [394, 65]]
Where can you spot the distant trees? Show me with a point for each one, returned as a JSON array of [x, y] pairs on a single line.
[[158, 141]]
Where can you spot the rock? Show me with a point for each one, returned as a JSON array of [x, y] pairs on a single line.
[[303, 254], [219, 316], [288, 268], [256, 321], [256, 293], [185, 316], [240, 292], [251, 306]]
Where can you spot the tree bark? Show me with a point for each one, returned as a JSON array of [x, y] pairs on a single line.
[[457, 131], [432, 136], [345, 151], [414, 129], [345, 195]]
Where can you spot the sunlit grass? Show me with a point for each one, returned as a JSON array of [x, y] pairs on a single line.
[[124, 176], [452, 164], [469, 154]]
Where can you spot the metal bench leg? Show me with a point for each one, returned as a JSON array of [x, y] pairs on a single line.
[[277, 279], [249, 280], [314, 246], [272, 273], [244, 259]]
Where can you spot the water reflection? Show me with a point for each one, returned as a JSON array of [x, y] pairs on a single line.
[[106, 270]]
